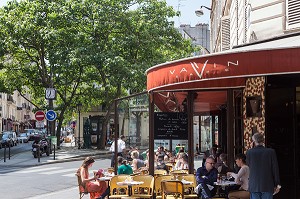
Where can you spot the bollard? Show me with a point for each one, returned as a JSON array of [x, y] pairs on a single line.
[[4, 153], [38, 151], [9, 151], [53, 151], [50, 144]]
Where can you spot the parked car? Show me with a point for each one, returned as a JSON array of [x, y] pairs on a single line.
[[30, 133], [23, 138], [6, 140]]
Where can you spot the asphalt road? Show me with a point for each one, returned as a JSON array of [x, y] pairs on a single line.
[[21, 147], [44, 182]]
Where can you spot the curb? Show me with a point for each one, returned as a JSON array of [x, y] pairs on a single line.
[[73, 156]]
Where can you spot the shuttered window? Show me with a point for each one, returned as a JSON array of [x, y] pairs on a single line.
[[225, 33], [293, 14]]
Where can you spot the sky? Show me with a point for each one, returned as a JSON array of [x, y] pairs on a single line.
[[186, 7]]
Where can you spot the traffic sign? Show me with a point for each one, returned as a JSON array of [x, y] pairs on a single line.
[[39, 115], [39, 124], [50, 115]]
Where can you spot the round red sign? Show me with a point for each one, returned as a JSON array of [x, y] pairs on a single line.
[[39, 115]]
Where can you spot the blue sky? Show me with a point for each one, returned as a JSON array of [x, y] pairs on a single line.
[[186, 7]]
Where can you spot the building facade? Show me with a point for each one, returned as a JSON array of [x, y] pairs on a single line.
[[15, 112], [198, 35], [239, 22]]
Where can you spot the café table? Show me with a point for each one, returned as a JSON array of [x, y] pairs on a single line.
[[185, 182], [222, 184], [129, 183], [106, 178]]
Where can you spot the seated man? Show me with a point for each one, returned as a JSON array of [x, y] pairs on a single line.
[[206, 176]]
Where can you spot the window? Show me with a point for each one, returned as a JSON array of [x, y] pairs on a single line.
[[225, 33], [293, 17]]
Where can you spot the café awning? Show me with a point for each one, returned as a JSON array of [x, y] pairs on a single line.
[[216, 72]]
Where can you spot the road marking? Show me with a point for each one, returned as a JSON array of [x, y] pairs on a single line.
[[59, 171], [73, 174], [35, 170]]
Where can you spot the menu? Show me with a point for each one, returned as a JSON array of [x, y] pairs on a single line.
[[170, 125]]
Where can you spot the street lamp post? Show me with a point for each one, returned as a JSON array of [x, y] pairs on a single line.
[[199, 12], [79, 106]]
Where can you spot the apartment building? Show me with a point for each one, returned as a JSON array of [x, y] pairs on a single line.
[[198, 35], [15, 112], [239, 22]]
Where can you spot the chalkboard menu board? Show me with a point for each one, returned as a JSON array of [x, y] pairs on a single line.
[[170, 125]]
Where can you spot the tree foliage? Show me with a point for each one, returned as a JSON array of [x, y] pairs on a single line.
[[91, 51]]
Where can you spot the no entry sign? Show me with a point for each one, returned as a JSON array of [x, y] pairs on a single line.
[[39, 115]]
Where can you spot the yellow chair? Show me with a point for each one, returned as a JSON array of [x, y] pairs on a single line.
[[157, 185], [117, 191], [189, 190], [172, 189], [144, 190], [160, 172]]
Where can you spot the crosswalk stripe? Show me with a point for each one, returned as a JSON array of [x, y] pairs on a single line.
[[59, 171], [69, 175], [73, 174], [35, 170]]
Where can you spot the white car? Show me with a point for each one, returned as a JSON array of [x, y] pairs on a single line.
[[23, 138]]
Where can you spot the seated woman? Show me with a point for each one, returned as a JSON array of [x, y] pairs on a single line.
[[124, 168], [97, 189], [241, 178], [223, 167], [136, 162], [182, 162]]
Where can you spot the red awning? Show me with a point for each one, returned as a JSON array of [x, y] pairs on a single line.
[[215, 71], [226, 70]]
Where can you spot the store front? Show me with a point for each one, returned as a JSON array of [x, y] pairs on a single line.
[[230, 96]]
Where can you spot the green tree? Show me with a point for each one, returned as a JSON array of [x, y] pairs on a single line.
[[91, 51]]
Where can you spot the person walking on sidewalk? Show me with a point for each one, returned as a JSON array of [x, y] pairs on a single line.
[[264, 179], [121, 146]]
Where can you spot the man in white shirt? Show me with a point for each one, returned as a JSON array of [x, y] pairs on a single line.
[[121, 146]]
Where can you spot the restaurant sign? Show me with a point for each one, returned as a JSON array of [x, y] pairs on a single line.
[[170, 125]]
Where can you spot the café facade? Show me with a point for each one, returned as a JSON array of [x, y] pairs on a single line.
[[255, 88]]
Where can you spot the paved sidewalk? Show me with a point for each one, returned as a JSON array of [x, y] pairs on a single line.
[[65, 153]]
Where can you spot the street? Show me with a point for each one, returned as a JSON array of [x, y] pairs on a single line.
[[46, 181], [21, 147]]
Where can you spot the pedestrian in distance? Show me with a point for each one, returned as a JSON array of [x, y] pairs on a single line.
[[120, 146], [264, 179]]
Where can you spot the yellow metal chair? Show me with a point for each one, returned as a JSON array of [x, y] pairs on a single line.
[[189, 189], [172, 189], [117, 191], [175, 189], [144, 190], [160, 172], [157, 185]]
